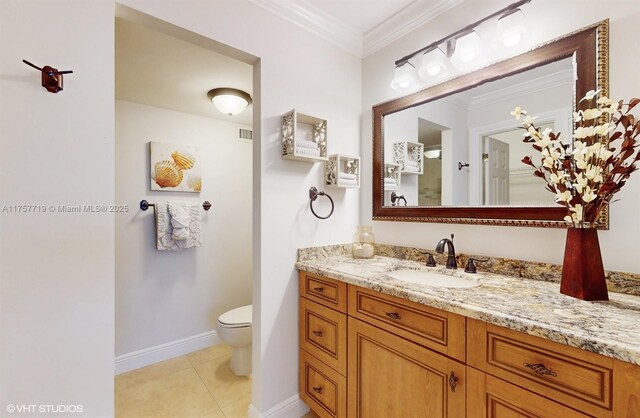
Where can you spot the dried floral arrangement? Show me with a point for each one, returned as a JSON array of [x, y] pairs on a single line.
[[586, 175]]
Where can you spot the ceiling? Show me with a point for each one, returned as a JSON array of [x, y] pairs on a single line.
[[358, 26], [162, 71]]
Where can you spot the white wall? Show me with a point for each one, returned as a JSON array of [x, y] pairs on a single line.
[[297, 70], [547, 19], [56, 269], [166, 296]]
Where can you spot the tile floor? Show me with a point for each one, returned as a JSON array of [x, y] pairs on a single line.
[[196, 385]]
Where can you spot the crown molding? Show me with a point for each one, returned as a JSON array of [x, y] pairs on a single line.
[[546, 82], [316, 21], [408, 19]]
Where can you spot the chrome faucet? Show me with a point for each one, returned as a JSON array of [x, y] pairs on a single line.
[[451, 259]]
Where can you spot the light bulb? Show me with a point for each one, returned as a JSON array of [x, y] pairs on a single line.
[[404, 77]]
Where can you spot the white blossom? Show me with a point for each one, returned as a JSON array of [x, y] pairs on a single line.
[[594, 173], [577, 116], [590, 95], [588, 195], [563, 196], [518, 112], [590, 114], [583, 132], [580, 183]]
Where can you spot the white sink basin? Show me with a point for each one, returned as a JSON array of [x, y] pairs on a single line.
[[433, 278]]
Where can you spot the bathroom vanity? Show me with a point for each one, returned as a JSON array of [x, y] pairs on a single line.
[[374, 346]]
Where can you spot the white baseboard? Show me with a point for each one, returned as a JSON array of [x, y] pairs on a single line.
[[289, 408], [151, 355]]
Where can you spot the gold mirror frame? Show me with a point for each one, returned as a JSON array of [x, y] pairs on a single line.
[[589, 46]]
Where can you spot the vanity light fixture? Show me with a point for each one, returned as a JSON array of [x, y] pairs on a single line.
[[229, 101], [461, 47], [511, 29], [404, 77], [467, 48], [434, 64]]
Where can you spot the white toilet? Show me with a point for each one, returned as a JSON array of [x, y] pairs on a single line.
[[235, 330]]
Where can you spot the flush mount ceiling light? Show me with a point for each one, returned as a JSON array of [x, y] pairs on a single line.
[[462, 47], [229, 101], [433, 153]]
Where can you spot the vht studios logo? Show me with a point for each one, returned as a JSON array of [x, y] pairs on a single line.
[[45, 409]]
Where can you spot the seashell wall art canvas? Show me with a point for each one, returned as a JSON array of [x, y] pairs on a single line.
[[175, 167]]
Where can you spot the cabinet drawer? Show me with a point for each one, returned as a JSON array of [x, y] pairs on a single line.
[[323, 333], [439, 330], [490, 397], [569, 375], [322, 388], [325, 291]]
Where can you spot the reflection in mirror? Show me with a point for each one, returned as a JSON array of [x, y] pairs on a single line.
[[466, 148]]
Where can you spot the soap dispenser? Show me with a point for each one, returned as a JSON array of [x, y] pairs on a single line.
[[364, 242]]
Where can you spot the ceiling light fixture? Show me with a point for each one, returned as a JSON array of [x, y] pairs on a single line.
[[462, 47], [229, 101]]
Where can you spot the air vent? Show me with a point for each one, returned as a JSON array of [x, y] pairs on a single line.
[[246, 134]]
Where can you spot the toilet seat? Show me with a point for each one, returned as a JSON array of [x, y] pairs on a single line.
[[236, 318]]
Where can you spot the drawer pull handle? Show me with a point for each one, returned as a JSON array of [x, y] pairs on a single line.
[[318, 389], [540, 369], [318, 333], [453, 381], [393, 315], [318, 289]]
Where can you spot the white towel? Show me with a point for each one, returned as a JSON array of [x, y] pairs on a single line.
[[180, 219], [164, 229], [306, 144], [412, 163], [348, 176], [411, 169], [349, 182], [308, 151], [390, 181]]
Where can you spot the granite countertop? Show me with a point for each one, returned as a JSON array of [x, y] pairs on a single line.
[[534, 307]]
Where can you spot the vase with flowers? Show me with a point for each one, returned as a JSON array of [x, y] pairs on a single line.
[[584, 176]]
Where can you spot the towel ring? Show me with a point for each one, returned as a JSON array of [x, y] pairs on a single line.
[[313, 195], [396, 198]]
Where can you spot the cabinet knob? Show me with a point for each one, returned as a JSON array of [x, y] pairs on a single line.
[[393, 315], [453, 381], [318, 333], [540, 369], [318, 289], [318, 389]]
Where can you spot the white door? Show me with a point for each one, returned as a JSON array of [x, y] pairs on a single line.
[[496, 179]]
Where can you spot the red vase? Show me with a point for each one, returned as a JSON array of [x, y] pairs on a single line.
[[582, 270]]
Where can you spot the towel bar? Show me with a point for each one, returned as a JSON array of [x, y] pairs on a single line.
[[144, 205]]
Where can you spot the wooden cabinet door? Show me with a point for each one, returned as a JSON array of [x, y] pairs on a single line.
[[490, 397], [392, 377]]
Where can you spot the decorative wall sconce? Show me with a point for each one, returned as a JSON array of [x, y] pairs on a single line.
[[229, 101], [52, 79], [460, 49]]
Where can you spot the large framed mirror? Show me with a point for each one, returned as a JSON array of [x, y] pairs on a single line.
[[452, 152]]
